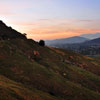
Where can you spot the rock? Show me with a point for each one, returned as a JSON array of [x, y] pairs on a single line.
[[36, 53]]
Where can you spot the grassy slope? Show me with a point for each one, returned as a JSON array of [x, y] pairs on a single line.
[[10, 90], [53, 74]]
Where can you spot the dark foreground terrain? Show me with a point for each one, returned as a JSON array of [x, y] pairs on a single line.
[[29, 71]]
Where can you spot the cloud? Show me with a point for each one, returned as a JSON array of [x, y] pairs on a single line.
[[86, 20]]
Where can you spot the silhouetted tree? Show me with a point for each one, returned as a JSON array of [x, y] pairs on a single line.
[[42, 43], [25, 34]]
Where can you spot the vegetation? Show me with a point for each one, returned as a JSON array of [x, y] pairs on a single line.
[[42, 43]]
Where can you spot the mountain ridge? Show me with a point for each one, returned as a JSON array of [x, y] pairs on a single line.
[[9, 33], [93, 42], [91, 36], [70, 40]]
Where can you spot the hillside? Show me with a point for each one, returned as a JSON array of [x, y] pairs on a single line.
[[93, 42], [75, 39], [29, 71], [9, 33]]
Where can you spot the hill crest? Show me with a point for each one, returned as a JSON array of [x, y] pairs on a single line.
[[9, 33]]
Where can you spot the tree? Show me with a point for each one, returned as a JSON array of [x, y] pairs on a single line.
[[42, 43], [25, 34]]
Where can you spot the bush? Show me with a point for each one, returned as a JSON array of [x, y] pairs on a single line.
[[42, 43]]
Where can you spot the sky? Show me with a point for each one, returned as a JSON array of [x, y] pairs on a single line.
[[51, 19]]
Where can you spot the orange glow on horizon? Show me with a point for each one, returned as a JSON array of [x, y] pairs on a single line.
[[53, 33], [49, 36], [40, 30]]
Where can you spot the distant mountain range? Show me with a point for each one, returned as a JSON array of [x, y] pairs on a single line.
[[91, 36], [75, 39], [87, 44], [90, 47]]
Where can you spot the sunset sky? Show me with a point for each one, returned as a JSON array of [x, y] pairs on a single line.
[[51, 19]]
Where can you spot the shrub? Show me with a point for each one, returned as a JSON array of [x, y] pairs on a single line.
[[42, 43]]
